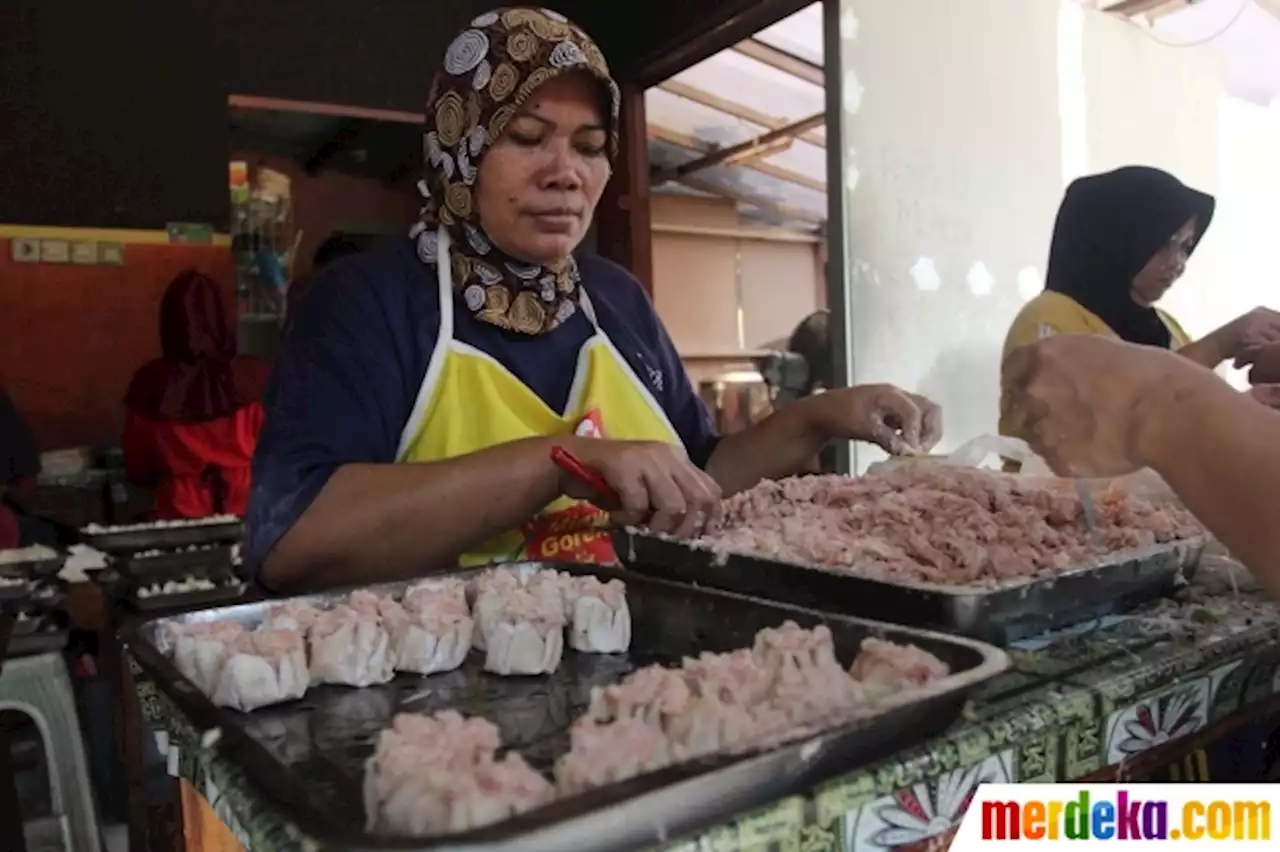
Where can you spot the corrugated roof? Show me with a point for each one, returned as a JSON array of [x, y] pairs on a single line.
[[759, 86]]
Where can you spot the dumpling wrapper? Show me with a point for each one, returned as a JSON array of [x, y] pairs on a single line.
[[521, 648], [351, 650], [601, 619], [249, 681], [430, 646]]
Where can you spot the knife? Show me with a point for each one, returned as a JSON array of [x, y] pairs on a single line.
[[1086, 503]]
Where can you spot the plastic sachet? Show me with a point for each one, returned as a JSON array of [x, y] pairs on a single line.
[[991, 451]]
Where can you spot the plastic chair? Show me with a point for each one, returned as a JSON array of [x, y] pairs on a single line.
[[40, 687]]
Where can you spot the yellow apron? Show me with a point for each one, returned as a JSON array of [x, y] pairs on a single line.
[[469, 402]]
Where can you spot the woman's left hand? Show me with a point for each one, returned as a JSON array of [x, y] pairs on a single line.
[[899, 422]]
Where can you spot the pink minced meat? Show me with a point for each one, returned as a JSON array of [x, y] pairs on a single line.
[[938, 524]]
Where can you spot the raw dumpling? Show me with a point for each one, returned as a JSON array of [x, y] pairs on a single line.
[[264, 667], [351, 646], [431, 633], [201, 649], [439, 774], [884, 667], [604, 754], [525, 635], [600, 621]]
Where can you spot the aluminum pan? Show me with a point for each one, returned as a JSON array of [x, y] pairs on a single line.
[[309, 754], [998, 613], [164, 538]]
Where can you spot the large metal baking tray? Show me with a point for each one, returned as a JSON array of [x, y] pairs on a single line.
[[999, 614], [164, 538], [309, 755]]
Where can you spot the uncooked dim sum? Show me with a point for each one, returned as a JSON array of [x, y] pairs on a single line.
[[350, 644], [605, 754], [524, 634], [431, 633], [436, 775], [600, 621], [200, 650], [263, 667]]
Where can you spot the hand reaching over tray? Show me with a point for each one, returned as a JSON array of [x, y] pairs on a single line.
[[900, 423], [1092, 406], [784, 443], [1085, 403]]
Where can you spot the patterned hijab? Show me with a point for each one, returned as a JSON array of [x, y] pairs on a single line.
[[489, 71]]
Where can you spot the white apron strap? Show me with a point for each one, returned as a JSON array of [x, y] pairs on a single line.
[[444, 338]]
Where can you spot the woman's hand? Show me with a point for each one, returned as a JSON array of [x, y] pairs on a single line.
[[1251, 335], [1265, 365], [656, 483], [1085, 402], [1268, 395], [901, 423]]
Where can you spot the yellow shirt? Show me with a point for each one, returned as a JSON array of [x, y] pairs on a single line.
[[1053, 313]]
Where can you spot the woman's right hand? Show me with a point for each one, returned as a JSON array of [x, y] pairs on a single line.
[[1253, 334], [657, 485]]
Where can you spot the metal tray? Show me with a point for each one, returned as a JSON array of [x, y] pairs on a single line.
[[309, 755], [124, 588], [164, 538], [36, 568], [37, 624], [15, 592], [997, 614], [173, 564]]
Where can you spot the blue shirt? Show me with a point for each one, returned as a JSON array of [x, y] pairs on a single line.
[[356, 354]]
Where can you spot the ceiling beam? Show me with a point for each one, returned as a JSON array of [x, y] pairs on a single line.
[[691, 143], [254, 102], [737, 110], [745, 150], [718, 26], [783, 61], [785, 211]]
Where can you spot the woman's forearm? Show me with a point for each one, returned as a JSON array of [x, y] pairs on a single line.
[[386, 522], [781, 445], [1210, 350], [1220, 452]]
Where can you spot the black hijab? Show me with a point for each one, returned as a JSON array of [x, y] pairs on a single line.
[[1108, 227]]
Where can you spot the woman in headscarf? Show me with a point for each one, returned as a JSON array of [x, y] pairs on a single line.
[[423, 386], [1121, 240], [192, 416]]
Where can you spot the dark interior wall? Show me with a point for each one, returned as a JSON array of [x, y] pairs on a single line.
[[114, 114], [110, 116]]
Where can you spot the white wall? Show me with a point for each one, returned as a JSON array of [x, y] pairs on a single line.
[[972, 118], [956, 142], [1247, 222]]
